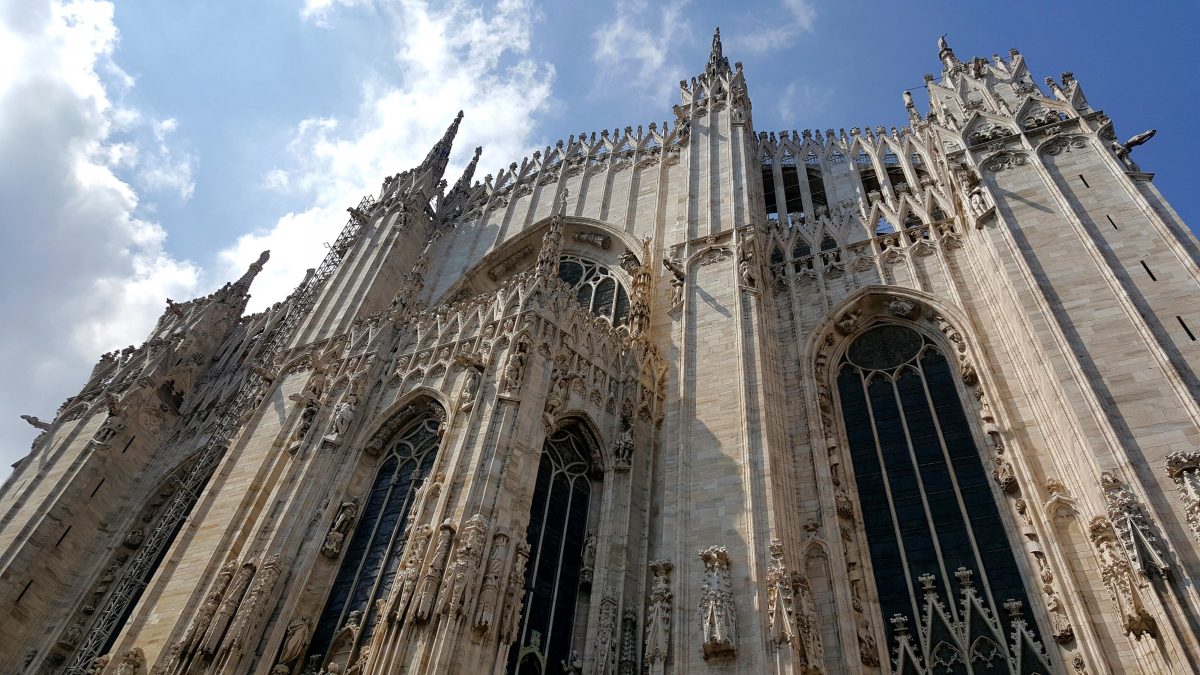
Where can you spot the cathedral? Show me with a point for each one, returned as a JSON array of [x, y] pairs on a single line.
[[686, 397]]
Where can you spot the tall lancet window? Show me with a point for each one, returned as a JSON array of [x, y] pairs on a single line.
[[370, 559], [558, 521], [596, 288], [944, 569]]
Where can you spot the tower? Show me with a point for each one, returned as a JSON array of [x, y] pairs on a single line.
[[677, 398]]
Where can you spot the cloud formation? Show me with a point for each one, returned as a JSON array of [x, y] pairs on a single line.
[[780, 32], [448, 57], [83, 268], [634, 51]]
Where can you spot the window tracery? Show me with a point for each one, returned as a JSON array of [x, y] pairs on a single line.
[[371, 560], [940, 557], [558, 521], [596, 288]]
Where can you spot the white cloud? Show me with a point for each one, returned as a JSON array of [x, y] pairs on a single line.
[[781, 32], [634, 50], [448, 57], [797, 99], [83, 270]]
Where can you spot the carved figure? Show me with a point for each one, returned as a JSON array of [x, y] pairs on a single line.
[[678, 278], [587, 568], [343, 414], [36, 423], [347, 512], [461, 572], [132, 662], [1124, 150], [1183, 467], [428, 590], [294, 642]]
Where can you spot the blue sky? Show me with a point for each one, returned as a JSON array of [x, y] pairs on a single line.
[[152, 149]]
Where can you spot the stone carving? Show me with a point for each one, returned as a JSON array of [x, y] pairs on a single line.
[[229, 604], [113, 425], [781, 628], [588, 563], [977, 200], [1183, 467], [410, 568], [242, 627], [340, 529], [295, 640], [627, 665], [606, 635], [1122, 583], [573, 663], [36, 423], [1123, 150], [1005, 160], [560, 389], [488, 607], [1131, 527], [474, 366], [718, 617], [98, 665], [849, 321], [514, 370], [598, 240], [428, 590], [514, 594], [868, 651], [1064, 144], [196, 629], [460, 575], [622, 448], [71, 637], [133, 662], [901, 307], [678, 278], [134, 538], [658, 615]]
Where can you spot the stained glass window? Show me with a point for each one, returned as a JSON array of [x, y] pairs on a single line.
[[931, 521], [372, 556], [558, 520], [596, 288]]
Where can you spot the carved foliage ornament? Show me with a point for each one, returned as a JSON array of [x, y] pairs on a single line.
[[1063, 144], [718, 616], [1005, 160]]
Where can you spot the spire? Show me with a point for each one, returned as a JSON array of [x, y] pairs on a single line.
[[255, 267], [464, 182], [716, 59], [949, 60], [441, 149]]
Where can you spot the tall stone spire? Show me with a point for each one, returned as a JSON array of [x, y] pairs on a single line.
[[439, 154], [716, 58], [547, 260]]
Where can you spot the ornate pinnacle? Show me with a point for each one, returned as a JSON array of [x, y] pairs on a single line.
[[255, 268], [716, 58], [547, 260]]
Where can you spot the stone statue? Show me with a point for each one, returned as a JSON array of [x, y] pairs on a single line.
[[294, 642], [340, 528], [343, 414], [1123, 150], [36, 423], [678, 277]]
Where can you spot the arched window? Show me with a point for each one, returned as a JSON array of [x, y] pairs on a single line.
[[596, 288], [558, 521], [373, 554], [938, 548]]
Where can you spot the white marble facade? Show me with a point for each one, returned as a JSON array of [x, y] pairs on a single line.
[[622, 407]]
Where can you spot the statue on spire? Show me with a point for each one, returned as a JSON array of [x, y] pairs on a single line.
[[946, 54], [547, 260]]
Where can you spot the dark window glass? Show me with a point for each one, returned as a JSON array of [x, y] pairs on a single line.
[[371, 556], [596, 288], [927, 505], [557, 528]]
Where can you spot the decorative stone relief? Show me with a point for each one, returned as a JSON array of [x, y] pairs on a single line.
[[658, 615], [678, 279], [240, 630], [781, 628], [489, 594], [588, 562], [295, 641], [474, 366], [606, 635], [199, 624], [1064, 144], [460, 575], [340, 529], [133, 662], [1124, 588], [905, 309], [628, 662], [514, 594], [1005, 160], [1183, 467], [718, 616], [514, 370], [432, 578], [1131, 527], [225, 611], [600, 241]]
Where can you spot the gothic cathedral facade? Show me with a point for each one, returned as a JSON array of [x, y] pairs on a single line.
[[687, 398]]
